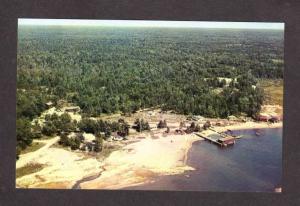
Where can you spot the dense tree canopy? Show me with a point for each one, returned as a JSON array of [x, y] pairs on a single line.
[[105, 70]]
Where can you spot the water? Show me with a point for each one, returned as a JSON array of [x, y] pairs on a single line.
[[86, 179], [253, 164]]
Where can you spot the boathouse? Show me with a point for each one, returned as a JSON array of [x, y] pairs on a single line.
[[263, 118], [225, 141], [274, 119]]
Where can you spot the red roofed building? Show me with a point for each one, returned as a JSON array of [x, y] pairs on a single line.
[[263, 118]]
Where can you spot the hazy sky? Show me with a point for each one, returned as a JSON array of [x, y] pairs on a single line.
[[147, 23]]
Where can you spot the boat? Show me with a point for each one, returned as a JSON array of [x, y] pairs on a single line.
[[238, 136]]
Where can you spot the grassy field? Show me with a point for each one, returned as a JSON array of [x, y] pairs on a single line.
[[28, 169], [273, 90], [33, 147]]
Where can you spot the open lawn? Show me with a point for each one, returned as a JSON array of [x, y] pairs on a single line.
[[33, 147], [273, 91], [28, 169]]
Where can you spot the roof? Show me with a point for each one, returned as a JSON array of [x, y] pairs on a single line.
[[264, 115], [275, 116], [228, 138], [72, 107], [49, 103]]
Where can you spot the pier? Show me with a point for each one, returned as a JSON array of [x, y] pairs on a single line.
[[224, 140], [209, 139]]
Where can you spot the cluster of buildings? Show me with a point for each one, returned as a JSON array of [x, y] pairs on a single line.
[[269, 118]]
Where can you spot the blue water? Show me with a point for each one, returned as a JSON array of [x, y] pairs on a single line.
[[253, 164]]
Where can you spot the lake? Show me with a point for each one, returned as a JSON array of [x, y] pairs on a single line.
[[253, 164]]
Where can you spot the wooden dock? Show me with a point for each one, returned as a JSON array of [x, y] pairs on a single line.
[[222, 134], [223, 141], [209, 139]]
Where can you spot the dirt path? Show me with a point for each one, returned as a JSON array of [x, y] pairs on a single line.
[[32, 156]]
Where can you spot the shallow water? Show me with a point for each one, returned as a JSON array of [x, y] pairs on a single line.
[[253, 164]]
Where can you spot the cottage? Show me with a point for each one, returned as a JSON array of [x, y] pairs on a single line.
[[117, 138], [179, 131], [49, 104], [182, 124], [72, 109], [88, 146], [207, 125], [274, 119], [232, 118], [195, 118], [263, 118], [220, 123]]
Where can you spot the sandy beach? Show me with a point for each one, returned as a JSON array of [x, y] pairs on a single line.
[[137, 163], [134, 164], [248, 125]]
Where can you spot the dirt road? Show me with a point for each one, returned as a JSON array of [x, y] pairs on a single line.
[[33, 156]]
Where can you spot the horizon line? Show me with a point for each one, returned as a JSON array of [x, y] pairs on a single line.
[[152, 23]]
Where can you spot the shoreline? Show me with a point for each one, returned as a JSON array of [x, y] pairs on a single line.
[[159, 181], [248, 125], [139, 162], [169, 156], [153, 171]]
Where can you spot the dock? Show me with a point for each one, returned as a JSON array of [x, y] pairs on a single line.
[[209, 139], [224, 140], [222, 134]]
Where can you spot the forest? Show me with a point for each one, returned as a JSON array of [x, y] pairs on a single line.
[[106, 70]]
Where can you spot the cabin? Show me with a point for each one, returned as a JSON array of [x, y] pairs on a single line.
[[91, 146], [88, 146], [207, 125], [218, 124], [195, 118], [179, 131], [117, 137], [263, 118], [221, 123], [72, 109], [232, 118], [274, 119], [49, 104], [182, 124], [226, 141], [168, 130]]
